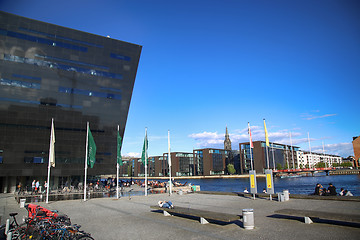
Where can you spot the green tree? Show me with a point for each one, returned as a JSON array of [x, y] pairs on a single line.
[[346, 164], [230, 168], [320, 165], [279, 167], [129, 171]]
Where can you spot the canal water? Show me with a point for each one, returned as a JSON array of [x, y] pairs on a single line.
[[295, 185]]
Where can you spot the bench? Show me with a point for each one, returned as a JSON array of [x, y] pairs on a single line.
[[202, 214], [308, 214]]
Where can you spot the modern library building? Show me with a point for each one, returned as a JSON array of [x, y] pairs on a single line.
[[52, 72]]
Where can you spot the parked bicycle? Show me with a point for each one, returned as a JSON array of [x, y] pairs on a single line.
[[42, 223]]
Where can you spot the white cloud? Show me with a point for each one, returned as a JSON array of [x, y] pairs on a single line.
[[216, 140], [133, 154], [311, 117], [208, 139], [341, 149]]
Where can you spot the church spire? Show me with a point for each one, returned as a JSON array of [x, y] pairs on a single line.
[[227, 141]]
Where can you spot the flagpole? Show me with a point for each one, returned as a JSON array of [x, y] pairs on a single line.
[[117, 172], [51, 151], [169, 162], [310, 157], [86, 156], [250, 141], [292, 152], [324, 154], [272, 146], [266, 144], [145, 161]]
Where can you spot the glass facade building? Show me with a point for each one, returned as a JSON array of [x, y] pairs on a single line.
[[278, 156], [48, 71]]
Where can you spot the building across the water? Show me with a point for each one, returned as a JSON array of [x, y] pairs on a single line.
[[275, 156], [311, 159], [356, 146], [48, 71]]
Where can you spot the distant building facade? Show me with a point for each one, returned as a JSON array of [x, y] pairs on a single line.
[[356, 146], [182, 163], [310, 160], [262, 157], [48, 71], [209, 161]]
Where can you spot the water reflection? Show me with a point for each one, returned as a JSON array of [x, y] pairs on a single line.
[[300, 185]]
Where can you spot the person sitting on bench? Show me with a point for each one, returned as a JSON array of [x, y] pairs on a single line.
[[331, 191], [165, 204], [318, 190]]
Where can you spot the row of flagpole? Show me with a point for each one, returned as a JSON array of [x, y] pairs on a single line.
[[90, 153], [267, 145], [144, 159]]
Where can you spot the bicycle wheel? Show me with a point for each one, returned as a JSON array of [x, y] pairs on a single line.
[[19, 232], [85, 237]]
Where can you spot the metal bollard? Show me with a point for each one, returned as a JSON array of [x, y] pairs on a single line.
[[7, 226], [22, 202], [248, 218], [286, 195], [281, 197]]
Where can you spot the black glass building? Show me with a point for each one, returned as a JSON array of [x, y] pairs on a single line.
[[48, 71]]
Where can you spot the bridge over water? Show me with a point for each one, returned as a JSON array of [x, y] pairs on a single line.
[[299, 171]]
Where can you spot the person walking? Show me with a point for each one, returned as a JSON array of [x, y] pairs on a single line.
[[19, 188], [37, 185], [45, 187], [33, 186]]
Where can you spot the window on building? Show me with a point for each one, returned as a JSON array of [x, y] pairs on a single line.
[[38, 160]]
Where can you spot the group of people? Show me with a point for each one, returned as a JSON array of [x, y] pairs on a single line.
[[344, 192], [330, 191], [35, 187]]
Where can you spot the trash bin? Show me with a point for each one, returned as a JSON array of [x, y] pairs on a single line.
[[286, 195], [22, 202], [281, 196], [248, 218]]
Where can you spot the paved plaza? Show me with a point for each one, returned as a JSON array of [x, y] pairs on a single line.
[[109, 218]]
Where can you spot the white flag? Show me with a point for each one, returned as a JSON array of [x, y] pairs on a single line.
[[52, 146], [169, 156]]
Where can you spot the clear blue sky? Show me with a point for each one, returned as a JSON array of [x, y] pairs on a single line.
[[209, 64]]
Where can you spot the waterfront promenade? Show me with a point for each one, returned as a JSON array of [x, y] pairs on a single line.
[[108, 218]]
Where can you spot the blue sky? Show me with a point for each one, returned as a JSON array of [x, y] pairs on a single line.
[[209, 64]]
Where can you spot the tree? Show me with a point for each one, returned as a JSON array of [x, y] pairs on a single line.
[[346, 164], [320, 165], [230, 168], [129, 171], [278, 166], [286, 166]]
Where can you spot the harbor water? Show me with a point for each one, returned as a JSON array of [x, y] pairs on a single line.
[[295, 185]]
